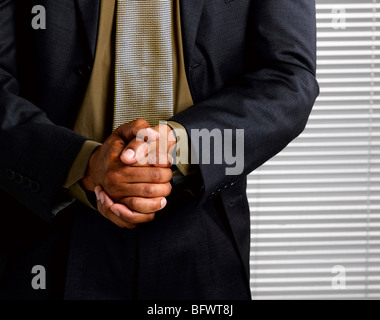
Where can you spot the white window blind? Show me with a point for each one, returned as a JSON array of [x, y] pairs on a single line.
[[316, 206]]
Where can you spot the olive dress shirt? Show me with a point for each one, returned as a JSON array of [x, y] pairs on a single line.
[[94, 119]]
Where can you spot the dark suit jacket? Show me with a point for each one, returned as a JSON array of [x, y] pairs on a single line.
[[250, 65]]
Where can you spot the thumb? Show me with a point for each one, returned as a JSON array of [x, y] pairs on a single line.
[[137, 128], [138, 149], [135, 133], [135, 152]]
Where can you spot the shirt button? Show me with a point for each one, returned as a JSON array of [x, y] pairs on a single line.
[[84, 70]]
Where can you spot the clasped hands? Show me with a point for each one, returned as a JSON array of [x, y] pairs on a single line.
[[130, 173]]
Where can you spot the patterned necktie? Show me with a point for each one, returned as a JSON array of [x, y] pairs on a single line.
[[143, 62]]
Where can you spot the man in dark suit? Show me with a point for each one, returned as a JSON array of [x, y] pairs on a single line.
[[238, 64]]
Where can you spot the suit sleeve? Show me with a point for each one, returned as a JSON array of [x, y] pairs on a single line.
[[36, 153], [272, 101]]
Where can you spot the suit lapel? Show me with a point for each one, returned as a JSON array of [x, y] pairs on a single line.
[[89, 11], [191, 11]]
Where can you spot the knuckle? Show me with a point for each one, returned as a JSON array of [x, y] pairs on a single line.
[[169, 188], [137, 174], [156, 175], [140, 122], [149, 190], [109, 179], [134, 202], [110, 184]]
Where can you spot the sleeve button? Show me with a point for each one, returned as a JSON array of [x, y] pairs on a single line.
[[35, 186], [27, 182], [10, 174], [18, 178]]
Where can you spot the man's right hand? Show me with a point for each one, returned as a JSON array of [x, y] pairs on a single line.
[[141, 189]]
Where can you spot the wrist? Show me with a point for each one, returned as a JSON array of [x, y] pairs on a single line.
[[88, 181]]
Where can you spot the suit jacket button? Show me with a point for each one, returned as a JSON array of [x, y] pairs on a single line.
[[34, 186], [18, 178], [27, 182], [10, 174]]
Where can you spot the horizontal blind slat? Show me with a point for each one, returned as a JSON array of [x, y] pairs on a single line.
[[317, 204]]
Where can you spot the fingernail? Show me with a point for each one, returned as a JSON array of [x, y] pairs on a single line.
[[101, 196], [163, 202], [129, 154], [171, 160], [97, 193], [115, 211]]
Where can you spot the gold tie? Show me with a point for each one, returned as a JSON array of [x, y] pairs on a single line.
[[143, 61]]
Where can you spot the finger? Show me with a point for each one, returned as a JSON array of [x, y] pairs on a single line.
[[141, 153], [146, 190], [146, 153], [153, 159], [120, 214], [135, 152], [147, 134], [104, 205], [130, 174], [132, 217], [119, 184], [136, 128], [144, 205]]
